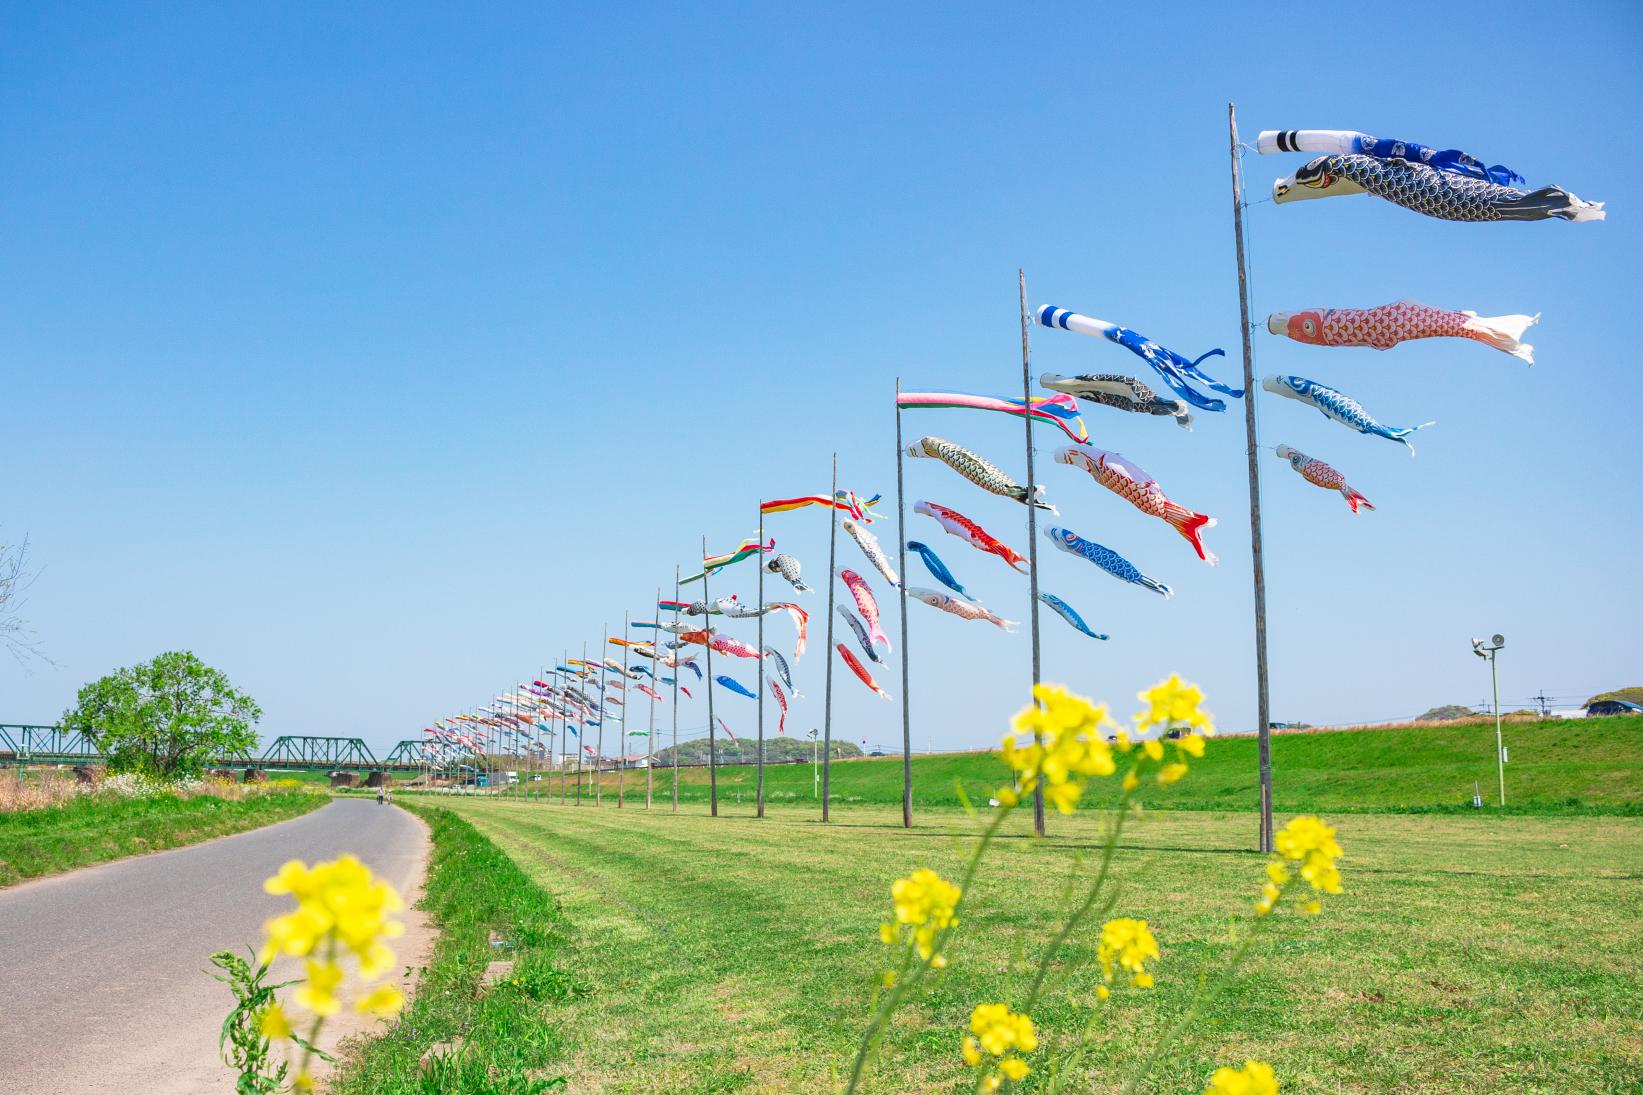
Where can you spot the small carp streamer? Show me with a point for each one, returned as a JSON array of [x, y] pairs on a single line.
[[781, 702], [971, 533], [1319, 474], [712, 564], [846, 500], [1105, 558], [938, 569], [1348, 142], [649, 691], [865, 603], [1384, 327], [1423, 189], [978, 471], [800, 619], [1132, 483], [735, 686], [728, 734], [964, 610], [724, 644], [1176, 370], [775, 658], [1057, 410], [860, 629], [860, 670], [869, 545], [1124, 393], [786, 568], [1065, 611], [1341, 408]]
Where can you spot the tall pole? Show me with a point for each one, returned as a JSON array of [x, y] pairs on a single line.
[[827, 698], [1032, 519], [676, 672], [1263, 698], [622, 739], [599, 754], [712, 736], [650, 734], [1500, 745], [564, 737], [581, 743], [906, 685], [759, 667]]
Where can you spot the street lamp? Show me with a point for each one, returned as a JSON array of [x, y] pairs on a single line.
[[815, 768], [1489, 650]]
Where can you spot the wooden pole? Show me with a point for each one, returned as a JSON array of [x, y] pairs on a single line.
[[599, 754], [1032, 515], [564, 737], [827, 698], [712, 736], [758, 666], [906, 685], [650, 738], [622, 738], [581, 743], [1263, 698], [676, 674]]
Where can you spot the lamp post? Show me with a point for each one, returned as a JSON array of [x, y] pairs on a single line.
[[1488, 650], [815, 770]]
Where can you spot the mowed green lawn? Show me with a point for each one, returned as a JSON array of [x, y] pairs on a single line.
[[1555, 766], [1468, 954]]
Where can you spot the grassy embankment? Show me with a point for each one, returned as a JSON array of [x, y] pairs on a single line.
[[94, 828], [1469, 954], [1556, 766]]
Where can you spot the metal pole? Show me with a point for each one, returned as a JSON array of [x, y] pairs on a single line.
[[712, 737], [676, 675], [827, 698], [1032, 520], [759, 665], [906, 684], [650, 737], [564, 737], [622, 739], [1263, 699], [581, 744], [599, 754], [1500, 745]]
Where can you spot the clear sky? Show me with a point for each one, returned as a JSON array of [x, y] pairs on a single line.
[[380, 356]]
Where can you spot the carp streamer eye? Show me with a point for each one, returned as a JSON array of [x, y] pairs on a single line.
[[1309, 327]]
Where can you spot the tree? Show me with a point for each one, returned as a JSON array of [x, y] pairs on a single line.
[[15, 635], [170, 717]]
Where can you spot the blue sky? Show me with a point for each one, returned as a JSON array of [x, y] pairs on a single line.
[[380, 356]]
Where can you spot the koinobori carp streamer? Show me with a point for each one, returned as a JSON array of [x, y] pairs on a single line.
[[1384, 327], [1319, 474], [1176, 370], [865, 604], [971, 533], [860, 670], [1426, 190], [869, 545], [1340, 407], [862, 638], [1066, 612], [1105, 558], [982, 473], [956, 606], [1120, 392], [1132, 483]]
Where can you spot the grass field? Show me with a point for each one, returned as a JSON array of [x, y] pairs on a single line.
[[1469, 954], [1556, 766], [94, 829]]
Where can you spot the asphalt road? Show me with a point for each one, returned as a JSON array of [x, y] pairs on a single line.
[[103, 983]]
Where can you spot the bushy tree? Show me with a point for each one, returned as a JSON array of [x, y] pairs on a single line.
[[170, 717]]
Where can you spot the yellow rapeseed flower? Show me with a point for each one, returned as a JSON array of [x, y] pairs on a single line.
[[997, 1031], [319, 993], [382, 1001], [1127, 944], [1174, 702], [1056, 742], [273, 1023], [1255, 1078], [924, 903]]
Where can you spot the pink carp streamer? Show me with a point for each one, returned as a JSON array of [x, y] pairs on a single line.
[[781, 701], [649, 691], [865, 602], [1319, 474], [1384, 327], [1131, 482], [726, 729], [860, 670], [801, 619], [724, 644]]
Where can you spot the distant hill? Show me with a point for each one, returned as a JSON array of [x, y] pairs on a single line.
[[1445, 713], [777, 750], [1633, 694]]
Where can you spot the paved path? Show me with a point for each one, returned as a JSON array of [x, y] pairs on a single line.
[[102, 986]]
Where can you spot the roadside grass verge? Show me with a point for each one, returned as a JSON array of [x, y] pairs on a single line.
[[1557, 766], [96, 828], [1469, 955], [507, 1036]]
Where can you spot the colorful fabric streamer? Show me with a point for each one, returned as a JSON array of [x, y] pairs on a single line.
[[860, 629], [956, 524], [1105, 558], [726, 729], [786, 568], [801, 620], [1131, 482], [846, 500], [869, 545], [782, 671], [1319, 474], [735, 686], [1339, 407], [724, 644], [1058, 410], [981, 472], [1124, 393], [860, 671], [781, 702], [686, 691], [865, 603], [1423, 189], [1348, 142], [712, 564], [938, 569], [964, 610], [649, 691], [1384, 327], [1176, 370]]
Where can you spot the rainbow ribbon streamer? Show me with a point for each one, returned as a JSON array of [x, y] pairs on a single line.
[[1059, 410], [712, 564], [846, 500]]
